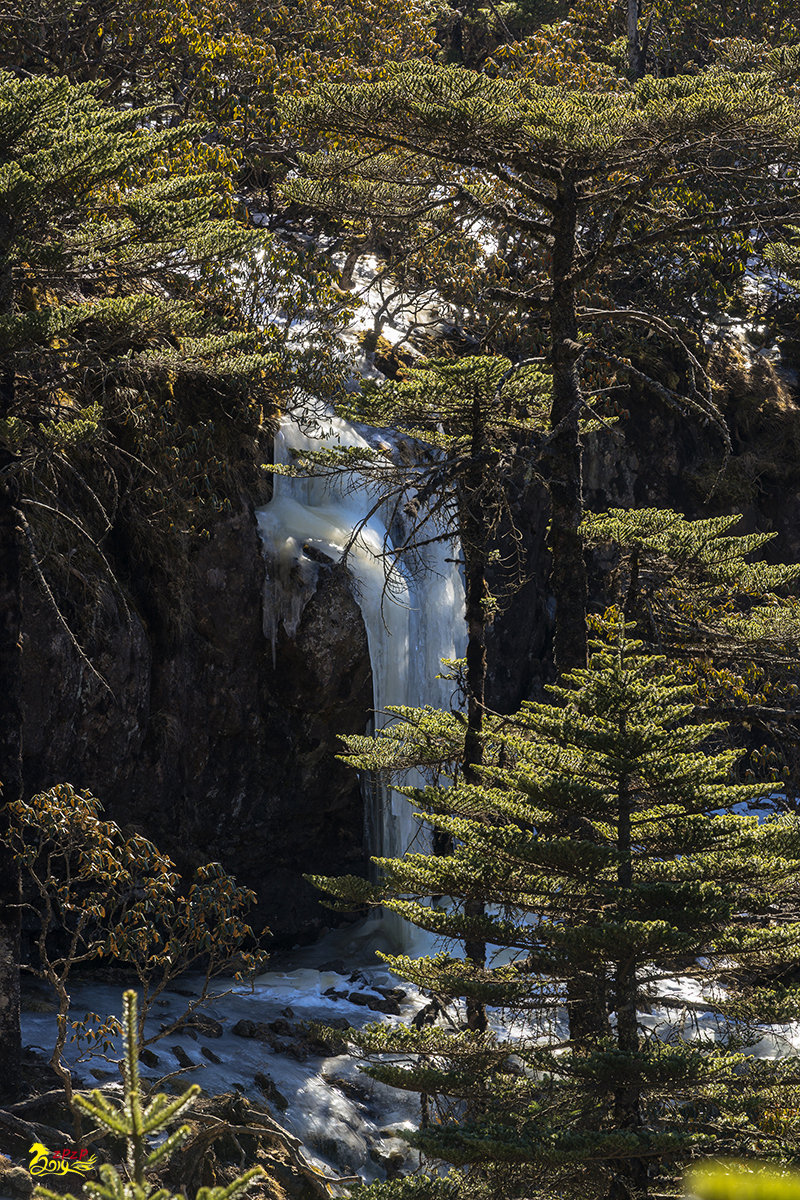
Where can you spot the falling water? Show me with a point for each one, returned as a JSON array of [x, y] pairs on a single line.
[[413, 620]]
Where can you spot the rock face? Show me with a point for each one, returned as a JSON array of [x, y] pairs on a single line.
[[661, 459], [200, 741]]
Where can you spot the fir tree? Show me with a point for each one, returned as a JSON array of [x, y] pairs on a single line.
[[662, 878], [475, 427], [725, 622], [113, 339], [222, 62], [470, 422], [572, 185]]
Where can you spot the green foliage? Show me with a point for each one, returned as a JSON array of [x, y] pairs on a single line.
[[603, 848], [691, 582], [137, 380], [140, 1123], [472, 424], [219, 61], [414, 1187], [687, 35], [742, 1181], [536, 212], [786, 255], [469, 178], [724, 620]]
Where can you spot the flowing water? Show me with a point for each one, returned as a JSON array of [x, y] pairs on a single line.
[[414, 614]]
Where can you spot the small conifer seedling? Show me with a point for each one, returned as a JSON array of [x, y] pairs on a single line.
[[140, 1123]]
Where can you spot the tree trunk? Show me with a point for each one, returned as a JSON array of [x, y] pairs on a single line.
[[474, 536], [635, 55], [585, 994], [10, 733], [565, 465], [631, 1178]]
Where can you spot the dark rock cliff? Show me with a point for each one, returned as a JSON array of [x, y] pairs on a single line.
[[205, 745], [201, 742], [656, 457]]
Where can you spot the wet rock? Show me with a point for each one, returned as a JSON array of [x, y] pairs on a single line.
[[149, 1057], [208, 1053], [182, 1056], [316, 1040], [267, 1085], [337, 1152], [14, 1181], [245, 1028], [281, 1027], [209, 745], [392, 993], [294, 1050], [205, 1025], [356, 1090], [391, 1154], [380, 1004]]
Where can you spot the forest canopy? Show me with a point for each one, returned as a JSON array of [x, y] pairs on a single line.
[[582, 224]]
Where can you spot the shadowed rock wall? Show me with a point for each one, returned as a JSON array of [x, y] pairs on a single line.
[[203, 744]]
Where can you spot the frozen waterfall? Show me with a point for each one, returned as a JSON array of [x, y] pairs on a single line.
[[412, 623]]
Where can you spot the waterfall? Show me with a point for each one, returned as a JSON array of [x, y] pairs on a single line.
[[413, 620]]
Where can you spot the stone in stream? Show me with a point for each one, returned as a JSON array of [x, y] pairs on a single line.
[[182, 1056], [246, 1028], [382, 1004], [392, 993], [281, 1027], [390, 1153], [205, 1025], [267, 1085]]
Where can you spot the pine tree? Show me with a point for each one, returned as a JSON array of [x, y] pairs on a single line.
[[113, 340], [680, 36], [139, 1123], [222, 62], [471, 423], [725, 622], [572, 187], [662, 878]]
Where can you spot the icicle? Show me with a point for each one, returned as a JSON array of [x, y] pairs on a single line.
[[410, 625]]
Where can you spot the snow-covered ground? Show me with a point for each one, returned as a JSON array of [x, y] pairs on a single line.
[[256, 1043]]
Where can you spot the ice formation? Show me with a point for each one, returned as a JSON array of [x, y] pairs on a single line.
[[414, 615]]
